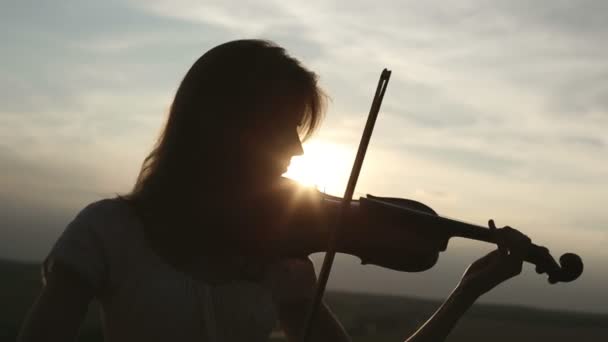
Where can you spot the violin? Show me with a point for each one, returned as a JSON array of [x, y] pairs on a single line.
[[416, 214], [399, 234], [570, 265]]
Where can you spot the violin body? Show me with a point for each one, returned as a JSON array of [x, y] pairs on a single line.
[[304, 218]]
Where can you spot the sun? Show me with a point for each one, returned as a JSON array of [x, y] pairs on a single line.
[[324, 165]]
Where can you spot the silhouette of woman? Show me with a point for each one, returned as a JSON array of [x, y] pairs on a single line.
[[175, 259]]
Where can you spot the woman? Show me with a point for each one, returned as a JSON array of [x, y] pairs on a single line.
[[206, 245]]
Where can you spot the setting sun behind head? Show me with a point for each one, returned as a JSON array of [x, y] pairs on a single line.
[[324, 165]]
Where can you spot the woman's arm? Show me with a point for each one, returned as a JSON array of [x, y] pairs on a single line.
[[59, 310], [438, 327], [481, 277], [292, 282]]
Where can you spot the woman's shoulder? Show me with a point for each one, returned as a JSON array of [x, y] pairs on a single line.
[[94, 242], [105, 206], [107, 220], [104, 211]]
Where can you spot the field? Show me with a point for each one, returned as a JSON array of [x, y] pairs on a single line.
[[367, 317]]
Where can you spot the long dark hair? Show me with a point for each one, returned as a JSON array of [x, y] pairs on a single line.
[[225, 92]]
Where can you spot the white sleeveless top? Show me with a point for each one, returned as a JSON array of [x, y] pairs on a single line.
[[143, 298]]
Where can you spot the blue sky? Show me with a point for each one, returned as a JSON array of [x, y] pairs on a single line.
[[495, 109]]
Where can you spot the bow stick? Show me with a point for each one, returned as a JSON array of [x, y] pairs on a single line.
[[348, 196]]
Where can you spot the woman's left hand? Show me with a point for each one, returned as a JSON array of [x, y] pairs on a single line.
[[498, 266]]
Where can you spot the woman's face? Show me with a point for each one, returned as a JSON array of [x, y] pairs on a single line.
[[273, 143]]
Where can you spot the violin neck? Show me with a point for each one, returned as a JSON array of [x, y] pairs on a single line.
[[469, 231], [420, 216]]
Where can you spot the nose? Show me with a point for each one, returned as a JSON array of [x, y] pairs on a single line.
[[298, 149]]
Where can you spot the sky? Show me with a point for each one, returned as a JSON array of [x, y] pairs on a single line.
[[495, 109]]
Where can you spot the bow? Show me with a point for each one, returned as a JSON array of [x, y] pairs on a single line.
[[348, 196]]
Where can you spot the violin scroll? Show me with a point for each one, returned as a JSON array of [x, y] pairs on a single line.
[[570, 266]]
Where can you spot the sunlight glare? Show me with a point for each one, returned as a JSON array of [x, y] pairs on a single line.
[[324, 165]]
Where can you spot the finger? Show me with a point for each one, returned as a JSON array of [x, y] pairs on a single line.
[[518, 242], [499, 242], [492, 225], [539, 269]]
